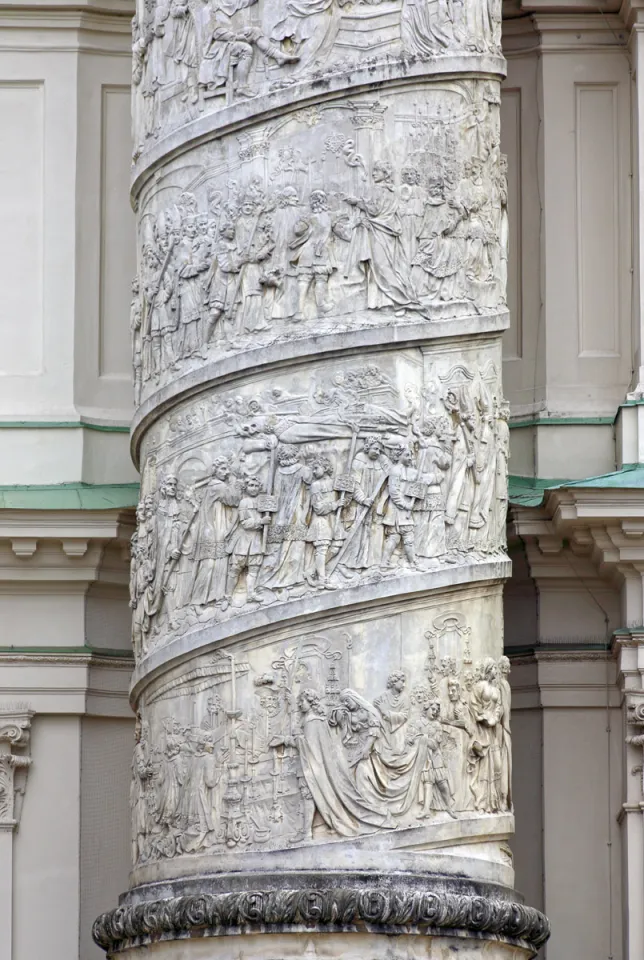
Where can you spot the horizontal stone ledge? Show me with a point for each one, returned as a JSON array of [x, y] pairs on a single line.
[[403, 851], [283, 615], [296, 96], [224, 372], [422, 905]]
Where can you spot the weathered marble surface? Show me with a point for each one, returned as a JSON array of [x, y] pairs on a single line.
[[319, 480], [193, 58], [373, 211], [397, 720], [323, 748]]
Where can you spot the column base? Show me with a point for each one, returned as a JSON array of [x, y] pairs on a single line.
[[314, 915]]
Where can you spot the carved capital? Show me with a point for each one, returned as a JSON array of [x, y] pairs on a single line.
[[15, 729]]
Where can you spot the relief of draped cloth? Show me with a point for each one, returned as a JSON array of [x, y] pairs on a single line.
[[288, 531], [397, 765], [327, 776], [215, 522], [426, 27], [485, 704], [376, 248], [365, 550], [312, 25]]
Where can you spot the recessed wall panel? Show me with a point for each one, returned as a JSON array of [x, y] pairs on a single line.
[[597, 219], [118, 258], [21, 235]]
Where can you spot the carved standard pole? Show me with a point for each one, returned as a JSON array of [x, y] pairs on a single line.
[[323, 705]]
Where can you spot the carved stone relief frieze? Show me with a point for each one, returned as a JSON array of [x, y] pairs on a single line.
[[355, 729], [195, 57], [349, 215], [318, 480]]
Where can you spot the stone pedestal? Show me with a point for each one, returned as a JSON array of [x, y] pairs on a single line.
[[323, 748]]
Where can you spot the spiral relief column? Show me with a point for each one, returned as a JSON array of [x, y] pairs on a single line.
[[323, 748]]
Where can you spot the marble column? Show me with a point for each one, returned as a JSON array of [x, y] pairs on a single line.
[[322, 765]]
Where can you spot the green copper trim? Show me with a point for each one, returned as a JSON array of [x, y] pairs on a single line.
[[530, 491], [84, 651], [61, 425], [562, 422], [69, 496], [548, 646]]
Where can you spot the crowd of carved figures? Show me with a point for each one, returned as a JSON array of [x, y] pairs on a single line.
[[191, 56], [306, 757], [260, 265], [281, 495]]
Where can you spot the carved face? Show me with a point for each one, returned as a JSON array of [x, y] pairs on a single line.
[[434, 710], [407, 457], [453, 691], [373, 451], [397, 684], [253, 486], [222, 471], [169, 488]]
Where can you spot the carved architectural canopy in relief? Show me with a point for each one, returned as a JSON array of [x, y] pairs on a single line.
[[323, 737]]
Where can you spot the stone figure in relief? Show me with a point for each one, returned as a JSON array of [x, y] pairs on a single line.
[[376, 246], [324, 527], [214, 524], [369, 469], [327, 773], [437, 792], [398, 521], [255, 245], [461, 481], [427, 27], [484, 465], [229, 50], [440, 253], [506, 736], [192, 263], [312, 255], [288, 211], [171, 778], [159, 322], [311, 26], [458, 724], [221, 286], [429, 512], [136, 314], [245, 546], [284, 564], [485, 759], [141, 792]]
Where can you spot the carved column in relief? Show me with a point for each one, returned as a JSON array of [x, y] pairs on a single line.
[[323, 747]]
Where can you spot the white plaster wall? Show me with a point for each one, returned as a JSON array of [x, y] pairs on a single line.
[[46, 847], [582, 797], [566, 130], [67, 243], [106, 749]]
